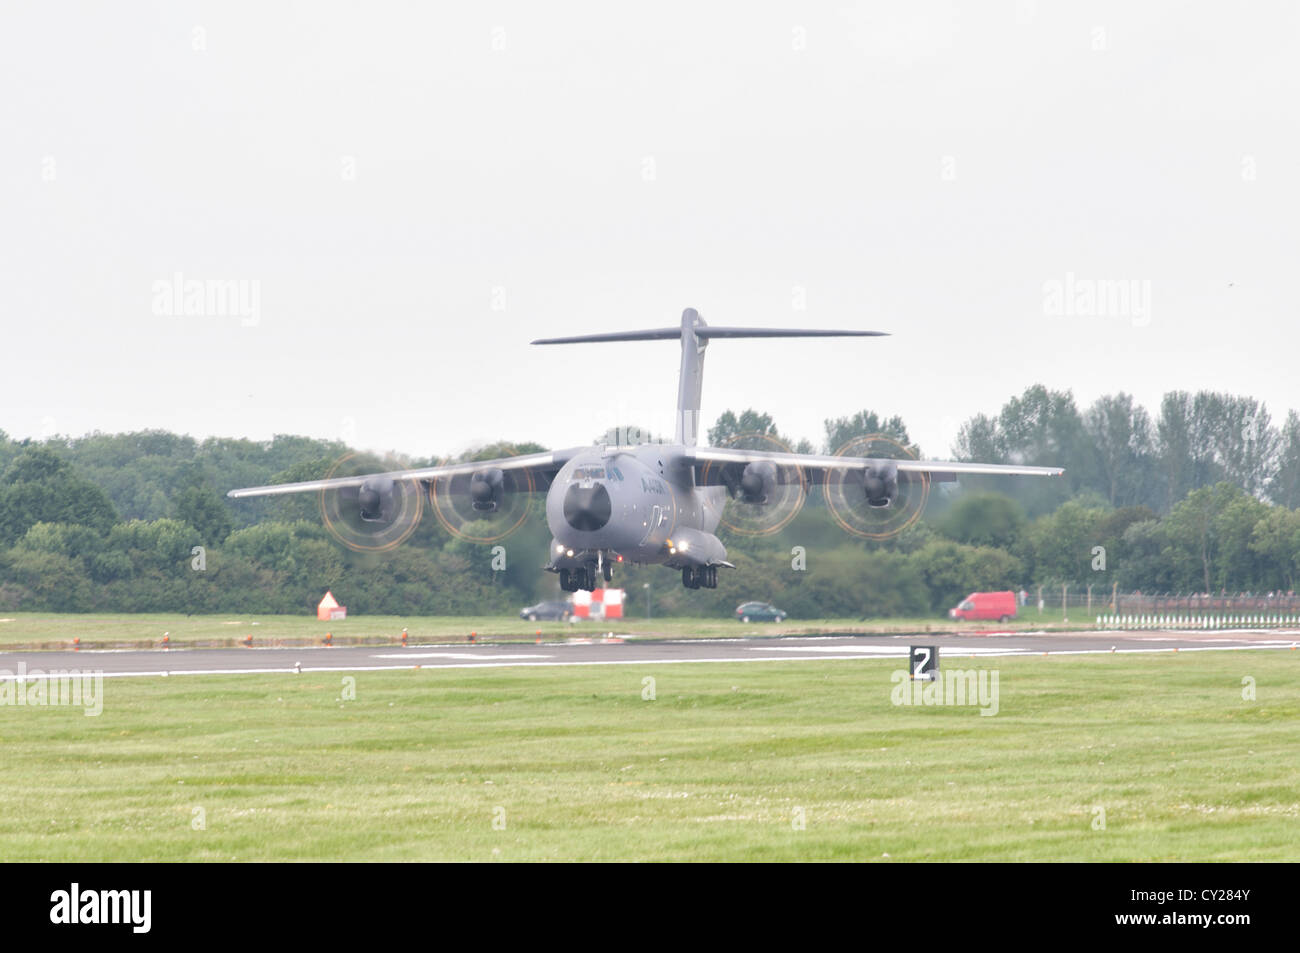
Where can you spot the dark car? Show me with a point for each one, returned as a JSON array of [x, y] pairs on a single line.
[[759, 612], [551, 611]]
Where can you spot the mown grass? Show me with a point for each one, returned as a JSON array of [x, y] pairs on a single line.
[[575, 764]]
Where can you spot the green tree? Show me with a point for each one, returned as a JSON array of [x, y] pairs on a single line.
[[952, 571], [1200, 530], [202, 508], [1124, 440], [1145, 564], [984, 519], [750, 422], [1275, 540], [980, 441], [841, 430], [1064, 543], [1284, 486], [39, 487]]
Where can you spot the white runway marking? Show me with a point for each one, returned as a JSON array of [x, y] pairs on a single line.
[[464, 656], [884, 651], [846, 651]]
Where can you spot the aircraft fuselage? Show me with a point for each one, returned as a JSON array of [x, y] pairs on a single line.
[[639, 504]]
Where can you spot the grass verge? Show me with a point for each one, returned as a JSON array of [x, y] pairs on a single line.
[[724, 763]]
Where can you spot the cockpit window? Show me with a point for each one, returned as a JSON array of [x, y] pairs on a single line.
[[589, 473]]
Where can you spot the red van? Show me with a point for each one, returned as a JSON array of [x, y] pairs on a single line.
[[986, 605]]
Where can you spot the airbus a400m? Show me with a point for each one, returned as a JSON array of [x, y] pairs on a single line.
[[647, 503]]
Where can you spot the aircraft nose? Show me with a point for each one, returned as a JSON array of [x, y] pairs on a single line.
[[587, 508]]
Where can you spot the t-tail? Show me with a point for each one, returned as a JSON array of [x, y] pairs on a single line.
[[695, 336]]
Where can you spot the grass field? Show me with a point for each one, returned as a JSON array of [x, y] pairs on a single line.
[[573, 763], [47, 630]]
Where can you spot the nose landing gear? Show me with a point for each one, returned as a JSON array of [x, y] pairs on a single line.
[[587, 577], [571, 580]]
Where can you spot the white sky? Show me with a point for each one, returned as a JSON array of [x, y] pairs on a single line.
[[920, 168]]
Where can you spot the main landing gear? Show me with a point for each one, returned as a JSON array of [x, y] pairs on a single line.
[[700, 577]]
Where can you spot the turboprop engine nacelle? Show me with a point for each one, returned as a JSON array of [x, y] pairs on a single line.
[[487, 490], [375, 500], [758, 482], [880, 483]]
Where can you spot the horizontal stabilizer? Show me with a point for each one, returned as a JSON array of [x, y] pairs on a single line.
[[708, 333], [653, 334], [695, 334]]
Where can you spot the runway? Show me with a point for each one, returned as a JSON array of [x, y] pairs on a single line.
[[595, 651]]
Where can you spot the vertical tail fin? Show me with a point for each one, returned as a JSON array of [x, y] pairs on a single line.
[[690, 381], [695, 336]]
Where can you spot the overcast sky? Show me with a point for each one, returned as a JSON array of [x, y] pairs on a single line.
[[414, 193]]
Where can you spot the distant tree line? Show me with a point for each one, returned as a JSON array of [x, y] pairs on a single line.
[[1202, 497]]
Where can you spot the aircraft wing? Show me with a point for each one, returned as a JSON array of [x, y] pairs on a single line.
[[541, 466], [709, 463]]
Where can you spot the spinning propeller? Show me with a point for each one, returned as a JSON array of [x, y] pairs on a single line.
[[878, 502], [763, 496], [375, 517], [483, 506]]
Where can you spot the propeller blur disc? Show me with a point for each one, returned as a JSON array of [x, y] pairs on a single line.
[[846, 499], [373, 518], [485, 506], [783, 488]]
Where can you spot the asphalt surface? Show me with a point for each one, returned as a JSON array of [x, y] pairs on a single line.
[[179, 661]]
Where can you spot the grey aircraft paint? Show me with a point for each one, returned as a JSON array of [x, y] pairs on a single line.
[[649, 503]]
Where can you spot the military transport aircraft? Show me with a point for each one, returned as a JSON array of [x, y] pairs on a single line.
[[645, 503]]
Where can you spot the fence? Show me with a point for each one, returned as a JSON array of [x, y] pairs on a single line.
[[1212, 620], [1092, 601]]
